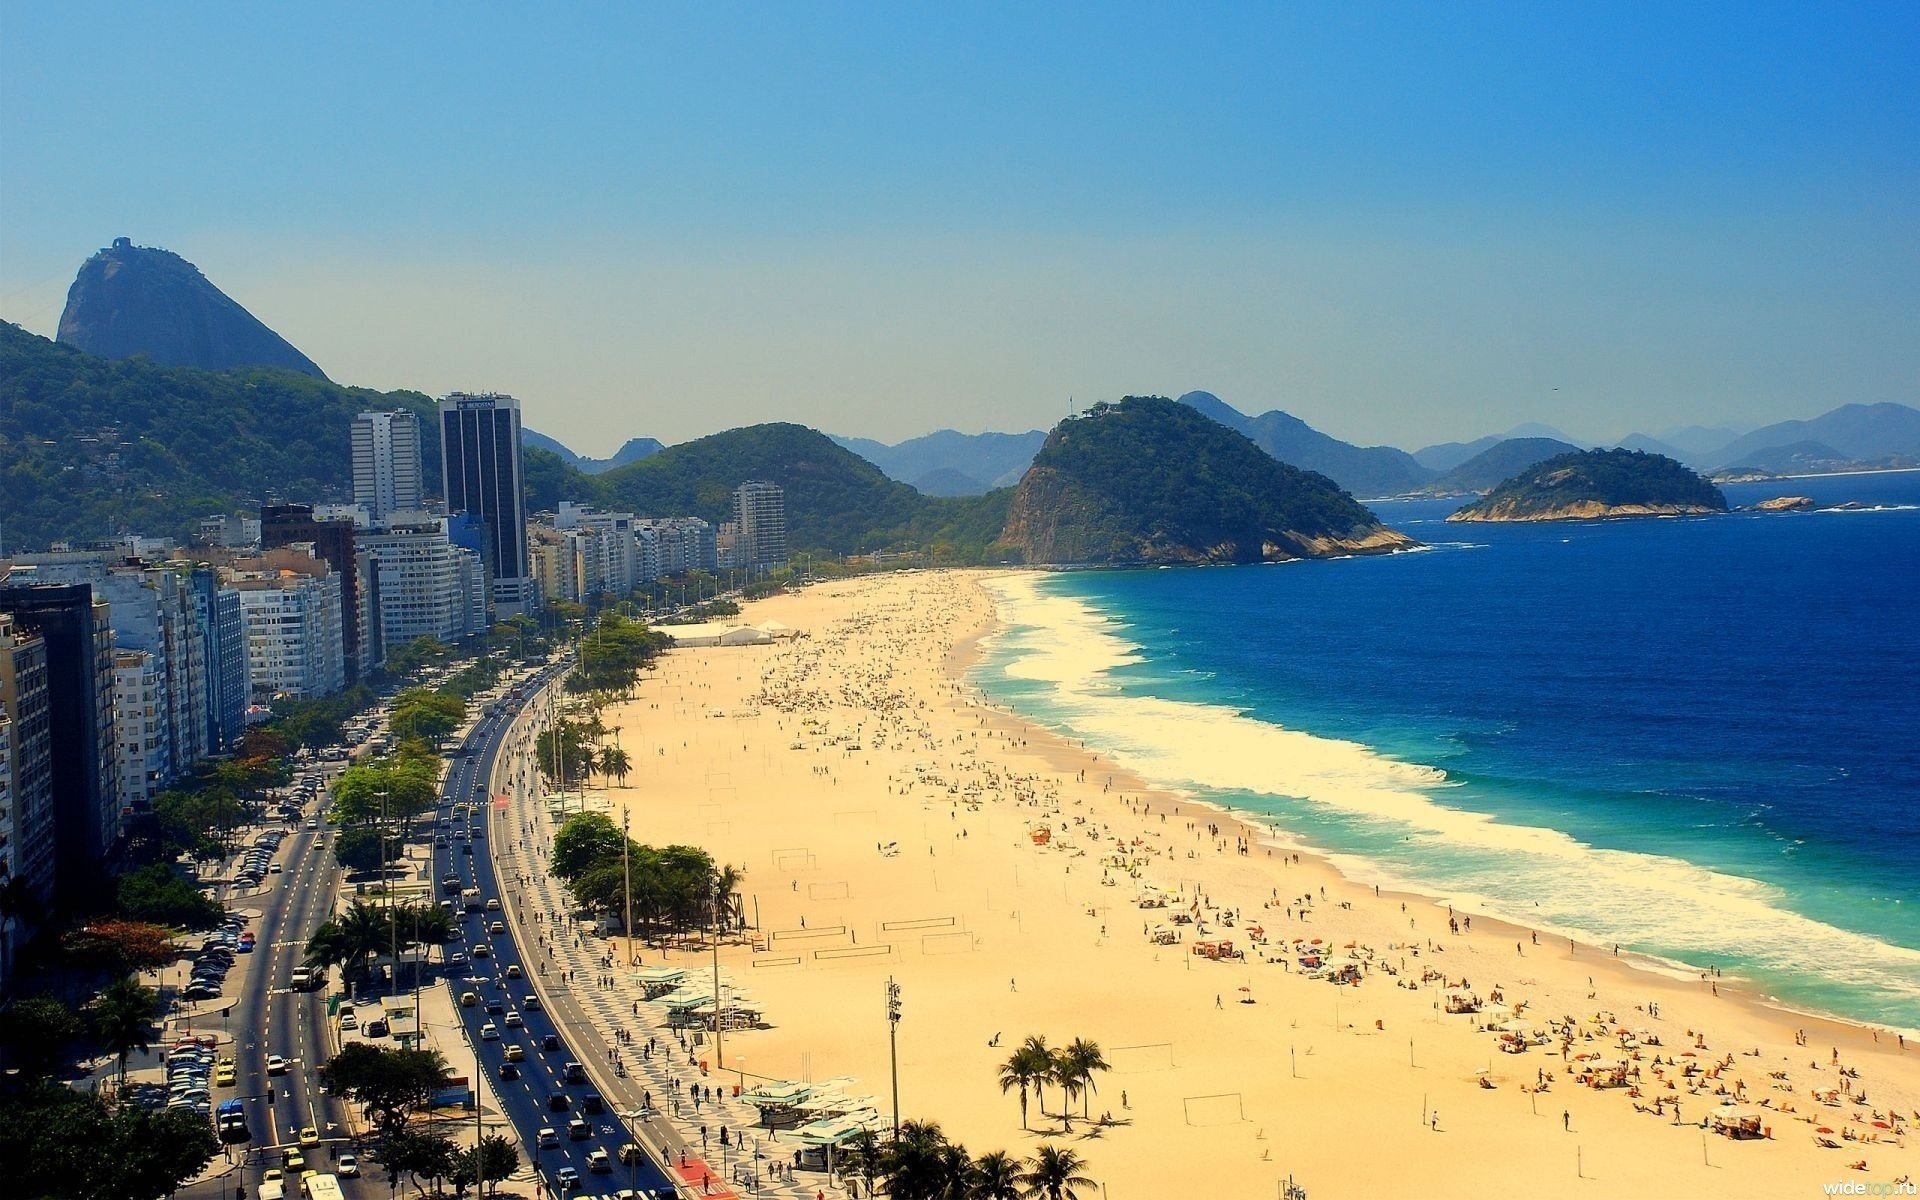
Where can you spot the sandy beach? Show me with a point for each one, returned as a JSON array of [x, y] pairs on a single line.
[[891, 824]]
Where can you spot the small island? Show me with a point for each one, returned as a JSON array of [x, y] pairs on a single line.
[[1590, 484]]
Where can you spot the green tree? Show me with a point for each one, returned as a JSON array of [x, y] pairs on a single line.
[[615, 764], [996, 1176], [402, 785], [1026, 1068], [388, 1084], [1054, 1173], [58, 1142], [122, 1018], [424, 1154], [496, 1157], [922, 1164], [349, 939], [154, 893], [361, 848], [426, 715], [585, 841], [1079, 1061], [37, 1032]]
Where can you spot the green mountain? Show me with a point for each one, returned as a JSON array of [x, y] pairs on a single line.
[[1597, 483], [137, 300], [836, 501], [1362, 470], [90, 446], [1151, 480], [1499, 461]]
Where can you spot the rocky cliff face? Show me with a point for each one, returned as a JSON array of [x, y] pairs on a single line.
[[1148, 481], [130, 300]]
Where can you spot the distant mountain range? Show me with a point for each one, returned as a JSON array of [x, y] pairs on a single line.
[[948, 463], [1500, 461], [137, 300], [1361, 470], [631, 451]]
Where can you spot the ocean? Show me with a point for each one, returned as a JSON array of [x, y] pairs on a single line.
[[1697, 738]]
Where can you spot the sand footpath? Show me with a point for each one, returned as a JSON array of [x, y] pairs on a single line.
[[891, 825]]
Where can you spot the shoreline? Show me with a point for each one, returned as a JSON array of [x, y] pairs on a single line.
[[1267, 830], [935, 762]]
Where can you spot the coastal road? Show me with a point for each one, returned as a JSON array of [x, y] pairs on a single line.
[[269, 1018], [528, 1102]]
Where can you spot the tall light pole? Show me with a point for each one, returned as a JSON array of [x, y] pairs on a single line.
[[626, 869], [893, 1047], [719, 1002]]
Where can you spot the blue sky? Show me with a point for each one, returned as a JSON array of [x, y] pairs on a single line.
[[1404, 223]]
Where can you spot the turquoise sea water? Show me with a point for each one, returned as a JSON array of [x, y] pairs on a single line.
[[1698, 738]]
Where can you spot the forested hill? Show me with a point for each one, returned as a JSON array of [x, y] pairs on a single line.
[[91, 447], [836, 500], [1149, 480], [1597, 483]]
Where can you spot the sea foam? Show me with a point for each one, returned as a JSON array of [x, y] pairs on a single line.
[[1387, 821]]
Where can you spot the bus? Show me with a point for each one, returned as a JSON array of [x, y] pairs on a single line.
[[323, 1187]]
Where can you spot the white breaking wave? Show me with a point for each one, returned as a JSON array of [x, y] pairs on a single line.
[[1543, 878]]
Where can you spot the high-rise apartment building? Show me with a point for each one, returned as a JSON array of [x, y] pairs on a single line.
[[480, 464], [78, 637], [217, 608], [152, 609], [419, 585], [283, 525], [26, 791], [386, 463], [290, 603], [760, 511], [145, 759]]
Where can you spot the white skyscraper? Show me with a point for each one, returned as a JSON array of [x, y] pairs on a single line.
[[386, 463]]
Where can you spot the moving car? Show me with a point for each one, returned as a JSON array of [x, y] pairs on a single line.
[[347, 1166], [276, 1065]]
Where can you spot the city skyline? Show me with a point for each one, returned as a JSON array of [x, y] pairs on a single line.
[[1401, 226]]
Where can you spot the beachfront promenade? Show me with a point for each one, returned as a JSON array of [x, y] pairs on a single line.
[[569, 960]]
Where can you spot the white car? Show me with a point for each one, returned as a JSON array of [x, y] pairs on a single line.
[[488, 1033], [276, 1065], [347, 1165]]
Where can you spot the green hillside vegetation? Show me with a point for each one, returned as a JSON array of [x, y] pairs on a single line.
[[91, 447], [837, 502], [1610, 478], [1152, 480]]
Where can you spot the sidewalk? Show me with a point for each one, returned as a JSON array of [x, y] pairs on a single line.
[[595, 1016]]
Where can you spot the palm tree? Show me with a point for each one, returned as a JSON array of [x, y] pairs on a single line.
[[1060, 1070], [996, 1176], [123, 1019], [348, 939], [1053, 1173], [919, 1163], [860, 1156], [1081, 1059], [615, 764], [1024, 1069], [726, 882], [1042, 1060]]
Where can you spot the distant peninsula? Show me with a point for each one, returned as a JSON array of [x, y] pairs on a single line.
[[1148, 481], [1589, 484]]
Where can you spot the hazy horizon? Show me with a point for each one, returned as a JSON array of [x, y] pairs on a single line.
[[1401, 226]]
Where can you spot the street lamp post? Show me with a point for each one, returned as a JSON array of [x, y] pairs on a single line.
[[893, 1047], [626, 869]]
